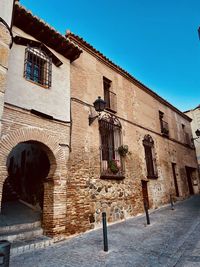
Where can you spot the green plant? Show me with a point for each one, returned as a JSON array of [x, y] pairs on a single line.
[[123, 150], [113, 166]]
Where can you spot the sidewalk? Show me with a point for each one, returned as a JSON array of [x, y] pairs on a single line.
[[172, 239]]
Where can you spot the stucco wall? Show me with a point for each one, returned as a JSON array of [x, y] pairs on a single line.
[[6, 7], [54, 101], [195, 124]]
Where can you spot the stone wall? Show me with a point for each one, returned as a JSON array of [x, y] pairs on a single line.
[[138, 112], [5, 41]]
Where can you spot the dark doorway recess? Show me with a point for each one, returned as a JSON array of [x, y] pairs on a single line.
[[189, 172], [27, 165]]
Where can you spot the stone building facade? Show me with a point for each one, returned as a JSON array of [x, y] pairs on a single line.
[[137, 150], [194, 114], [146, 122]]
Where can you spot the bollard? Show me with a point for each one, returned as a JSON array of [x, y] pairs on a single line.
[[4, 253], [105, 238], [171, 201], [147, 212]]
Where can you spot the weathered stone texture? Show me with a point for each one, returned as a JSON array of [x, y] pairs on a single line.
[[5, 37], [138, 112], [4, 52]]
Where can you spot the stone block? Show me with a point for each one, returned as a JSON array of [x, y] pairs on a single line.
[[4, 53]]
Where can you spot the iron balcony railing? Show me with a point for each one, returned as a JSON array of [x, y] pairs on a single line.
[[187, 139], [111, 101], [164, 128], [112, 166]]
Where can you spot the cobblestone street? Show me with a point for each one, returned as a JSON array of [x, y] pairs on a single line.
[[172, 239]]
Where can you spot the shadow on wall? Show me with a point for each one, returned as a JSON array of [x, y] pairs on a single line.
[[27, 165]]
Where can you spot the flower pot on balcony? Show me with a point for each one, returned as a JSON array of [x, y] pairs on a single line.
[[123, 150]]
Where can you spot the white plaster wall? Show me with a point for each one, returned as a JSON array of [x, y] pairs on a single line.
[[6, 7], [195, 124], [54, 101]]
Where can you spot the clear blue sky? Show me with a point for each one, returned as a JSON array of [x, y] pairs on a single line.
[[154, 40]]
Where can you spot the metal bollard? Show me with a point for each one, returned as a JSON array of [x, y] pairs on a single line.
[[4, 253], [171, 201], [105, 238], [147, 212]]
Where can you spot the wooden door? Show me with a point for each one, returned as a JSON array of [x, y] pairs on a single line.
[[145, 193], [189, 180]]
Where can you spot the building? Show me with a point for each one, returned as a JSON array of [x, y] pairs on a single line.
[[62, 158], [194, 114], [102, 176], [6, 41], [36, 119]]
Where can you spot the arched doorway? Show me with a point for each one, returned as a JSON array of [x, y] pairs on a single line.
[[28, 165], [54, 196]]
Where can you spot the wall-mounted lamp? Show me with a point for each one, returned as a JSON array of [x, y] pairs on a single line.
[[99, 105], [197, 132]]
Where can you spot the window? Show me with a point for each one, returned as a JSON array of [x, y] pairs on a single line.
[[163, 125], [109, 96], [186, 136], [37, 66], [110, 133], [148, 144]]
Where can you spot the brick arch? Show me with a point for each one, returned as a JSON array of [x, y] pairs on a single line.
[[56, 179]]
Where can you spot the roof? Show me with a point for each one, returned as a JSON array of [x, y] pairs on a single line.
[[198, 107], [89, 48], [44, 33]]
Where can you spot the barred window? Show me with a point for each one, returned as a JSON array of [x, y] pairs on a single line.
[[110, 133], [148, 144], [37, 66]]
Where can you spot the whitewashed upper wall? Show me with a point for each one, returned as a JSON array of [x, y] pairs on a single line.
[[195, 116], [6, 7], [53, 101]]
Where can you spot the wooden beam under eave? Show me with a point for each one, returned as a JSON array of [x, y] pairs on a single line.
[[69, 51], [75, 55]]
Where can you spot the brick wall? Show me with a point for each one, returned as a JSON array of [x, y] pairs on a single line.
[[51, 136], [87, 194]]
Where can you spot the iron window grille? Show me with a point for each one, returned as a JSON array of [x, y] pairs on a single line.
[[150, 158], [37, 66], [110, 132]]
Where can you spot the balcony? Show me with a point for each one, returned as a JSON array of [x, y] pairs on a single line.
[[111, 101], [109, 171], [164, 128], [112, 168], [187, 139]]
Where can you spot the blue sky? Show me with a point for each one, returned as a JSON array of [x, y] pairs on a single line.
[[154, 40]]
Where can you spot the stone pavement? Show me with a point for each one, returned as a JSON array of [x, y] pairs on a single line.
[[172, 239]]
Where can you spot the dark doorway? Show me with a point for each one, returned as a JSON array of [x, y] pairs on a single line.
[[175, 179], [27, 165], [145, 193], [189, 179]]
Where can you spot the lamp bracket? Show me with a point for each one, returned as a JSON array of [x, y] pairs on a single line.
[[92, 118]]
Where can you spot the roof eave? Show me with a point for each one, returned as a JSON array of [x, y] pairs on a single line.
[[82, 43], [42, 32]]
